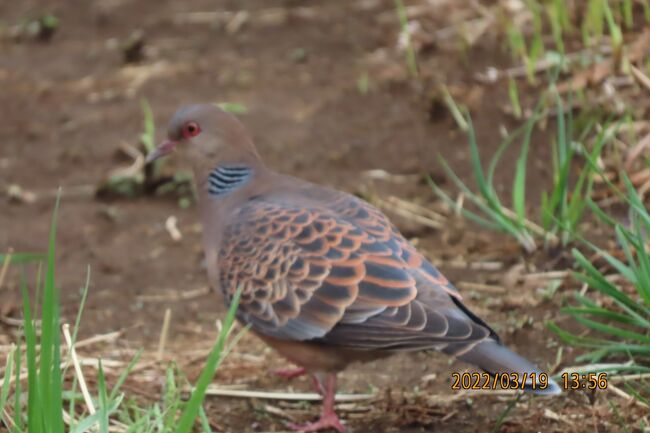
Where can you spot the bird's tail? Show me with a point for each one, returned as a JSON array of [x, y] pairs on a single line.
[[494, 358]]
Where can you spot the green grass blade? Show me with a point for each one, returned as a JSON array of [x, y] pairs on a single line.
[[519, 186], [602, 216], [643, 274], [72, 405], [475, 159], [205, 423], [506, 142], [34, 405], [122, 378], [17, 258], [233, 107], [634, 200], [454, 109], [212, 363], [602, 313], [9, 368], [630, 389], [82, 304], [502, 222], [18, 391], [466, 213], [613, 330], [513, 94], [50, 382], [597, 281], [103, 402], [148, 136]]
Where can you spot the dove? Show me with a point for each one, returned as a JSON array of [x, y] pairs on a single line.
[[325, 278]]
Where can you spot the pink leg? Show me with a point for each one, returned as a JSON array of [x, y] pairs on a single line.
[[290, 373], [328, 419], [318, 385]]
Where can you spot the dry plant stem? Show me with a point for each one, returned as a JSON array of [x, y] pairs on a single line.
[[77, 369], [189, 294], [5, 267], [636, 151], [551, 275], [164, 334], [412, 211], [437, 399], [273, 410], [548, 413], [379, 174], [289, 396], [87, 361], [101, 338], [541, 66], [9, 419], [530, 225], [626, 377], [446, 399], [416, 208], [627, 397], [462, 264], [460, 202], [642, 78], [487, 288], [10, 321], [138, 161]]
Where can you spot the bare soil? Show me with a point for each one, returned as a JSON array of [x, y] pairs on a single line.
[[67, 104]]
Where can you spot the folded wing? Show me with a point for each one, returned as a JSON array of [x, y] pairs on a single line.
[[340, 274]]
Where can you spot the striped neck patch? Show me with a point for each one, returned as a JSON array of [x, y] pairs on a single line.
[[226, 178]]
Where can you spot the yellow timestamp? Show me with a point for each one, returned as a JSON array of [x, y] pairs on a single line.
[[531, 381], [584, 381]]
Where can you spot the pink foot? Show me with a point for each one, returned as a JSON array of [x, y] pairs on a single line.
[[290, 373], [329, 421]]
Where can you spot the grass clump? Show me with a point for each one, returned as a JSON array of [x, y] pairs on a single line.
[[617, 312], [628, 289], [52, 400], [562, 209]]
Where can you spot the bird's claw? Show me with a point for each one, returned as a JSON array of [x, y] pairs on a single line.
[[329, 421]]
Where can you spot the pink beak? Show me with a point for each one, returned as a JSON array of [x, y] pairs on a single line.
[[163, 149]]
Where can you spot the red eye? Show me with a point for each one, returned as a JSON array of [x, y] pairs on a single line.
[[191, 129]]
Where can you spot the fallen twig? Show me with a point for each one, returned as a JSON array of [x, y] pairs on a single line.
[[488, 288], [77, 368], [164, 333], [290, 396], [5, 266]]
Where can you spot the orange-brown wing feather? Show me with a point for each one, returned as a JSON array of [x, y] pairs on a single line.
[[301, 270], [436, 318], [379, 226], [340, 274]]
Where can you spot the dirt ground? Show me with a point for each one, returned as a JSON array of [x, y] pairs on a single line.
[[67, 104]]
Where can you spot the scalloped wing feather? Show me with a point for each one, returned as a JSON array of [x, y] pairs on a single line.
[[339, 273]]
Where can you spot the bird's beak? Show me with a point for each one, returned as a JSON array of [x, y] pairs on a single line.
[[163, 149]]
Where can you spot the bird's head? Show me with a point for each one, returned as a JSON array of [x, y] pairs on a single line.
[[208, 135]]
